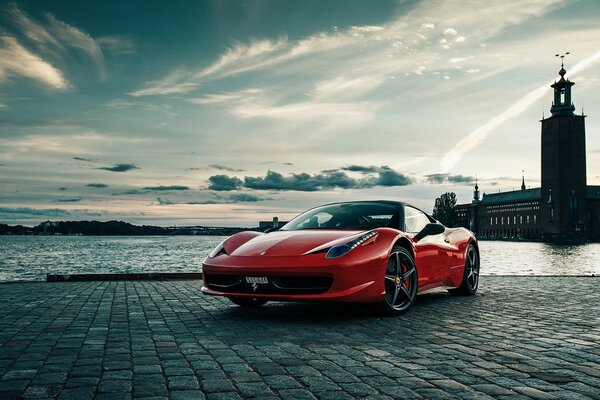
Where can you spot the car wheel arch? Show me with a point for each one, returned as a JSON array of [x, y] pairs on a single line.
[[404, 242]]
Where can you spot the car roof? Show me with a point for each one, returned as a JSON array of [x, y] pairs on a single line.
[[394, 202]]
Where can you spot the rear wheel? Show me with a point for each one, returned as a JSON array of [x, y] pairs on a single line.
[[470, 280], [252, 302], [401, 282]]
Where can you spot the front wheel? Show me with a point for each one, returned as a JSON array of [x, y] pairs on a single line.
[[470, 280], [400, 281], [251, 302]]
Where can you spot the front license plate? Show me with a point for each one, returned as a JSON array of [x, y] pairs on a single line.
[[257, 279]]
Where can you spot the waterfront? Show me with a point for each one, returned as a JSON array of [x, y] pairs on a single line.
[[30, 258]]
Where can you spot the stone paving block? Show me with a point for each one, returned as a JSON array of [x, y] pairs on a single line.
[[217, 385], [223, 396], [114, 386], [182, 383], [19, 374], [150, 389], [254, 389], [186, 395], [147, 369], [296, 394], [79, 393]]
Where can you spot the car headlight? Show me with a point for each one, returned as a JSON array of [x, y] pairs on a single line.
[[341, 249], [217, 250]]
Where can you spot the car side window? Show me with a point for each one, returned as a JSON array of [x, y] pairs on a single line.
[[414, 220]]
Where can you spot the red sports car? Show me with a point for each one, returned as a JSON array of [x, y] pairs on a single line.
[[382, 252]]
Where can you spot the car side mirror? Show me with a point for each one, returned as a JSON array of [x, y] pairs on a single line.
[[428, 230], [272, 229]]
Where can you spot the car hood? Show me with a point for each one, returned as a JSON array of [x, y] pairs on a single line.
[[292, 243]]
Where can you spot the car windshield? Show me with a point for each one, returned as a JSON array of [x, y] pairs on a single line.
[[356, 216]]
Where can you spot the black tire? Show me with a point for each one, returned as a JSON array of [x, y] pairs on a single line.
[[401, 283], [470, 281], [251, 302]]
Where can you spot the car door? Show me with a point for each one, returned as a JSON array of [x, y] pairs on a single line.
[[433, 253]]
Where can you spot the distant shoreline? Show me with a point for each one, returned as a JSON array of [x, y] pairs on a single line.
[[115, 228]]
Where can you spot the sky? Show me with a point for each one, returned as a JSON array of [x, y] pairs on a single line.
[[229, 112]]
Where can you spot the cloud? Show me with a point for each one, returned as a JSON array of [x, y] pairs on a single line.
[[56, 36], [224, 168], [70, 200], [407, 39], [389, 177], [164, 202], [246, 198], [217, 199], [227, 97], [131, 191], [83, 159], [167, 188], [97, 185], [448, 178], [117, 44], [329, 179], [473, 139], [17, 60], [224, 183], [120, 167], [76, 38], [238, 58], [361, 169], [450, 31], [29, 213]]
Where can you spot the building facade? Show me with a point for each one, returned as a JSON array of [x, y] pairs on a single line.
[[564, 208]]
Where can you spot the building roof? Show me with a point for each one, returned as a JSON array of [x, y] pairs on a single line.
[[593, 192], [516, 196]]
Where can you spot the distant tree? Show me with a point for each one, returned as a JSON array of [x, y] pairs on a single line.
[[443, 209]]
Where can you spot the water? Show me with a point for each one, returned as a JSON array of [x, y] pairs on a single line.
[[30, 258]]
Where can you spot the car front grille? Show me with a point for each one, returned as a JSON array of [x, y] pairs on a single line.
[[276, 284]]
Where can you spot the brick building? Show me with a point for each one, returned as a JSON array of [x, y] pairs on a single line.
[[564, 207]]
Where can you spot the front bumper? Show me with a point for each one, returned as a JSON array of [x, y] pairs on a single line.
[[310, 277]]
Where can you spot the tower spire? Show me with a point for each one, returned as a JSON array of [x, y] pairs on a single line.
[[476, 191], [523, 187], [562, 104]]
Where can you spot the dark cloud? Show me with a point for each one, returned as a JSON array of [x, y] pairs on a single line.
[[361, 169], [224, 168], [26, 212], [246, 198], [132, 191], [218, 199], [224, 183], [120, 167], [62, 188], [448, 178], [97, 185], [329, 179], [71, 200], [389, 177], [83, 159], [436, 178], [167, 188], [461, 179], [164, 202]]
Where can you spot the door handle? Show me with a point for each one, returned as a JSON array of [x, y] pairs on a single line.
[[446, 239]]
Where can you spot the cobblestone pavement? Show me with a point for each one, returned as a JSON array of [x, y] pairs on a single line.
[[520, 337]]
